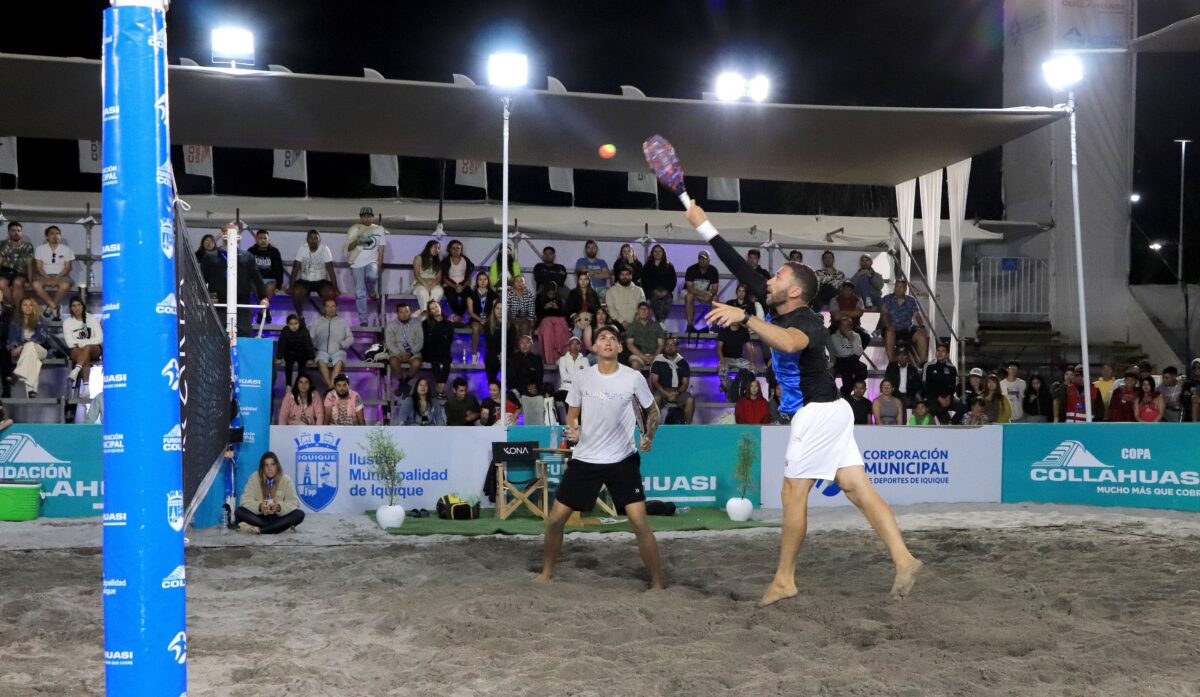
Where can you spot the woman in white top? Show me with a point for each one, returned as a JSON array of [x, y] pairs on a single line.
[[427, 275], [456, 281], [84, 338]]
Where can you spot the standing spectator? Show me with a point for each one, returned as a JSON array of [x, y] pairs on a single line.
[[295, 347], [941, 375], [52, 272], [1171, 389], [427, 275], [1037, 404], [751, 408], [270, 266], [978, 415], [84, 337], [921, 415], [1075, 404], [974, 385], [774, 402], [268, 505], [623, 299], [552, 329], [670, 376], [1013, 387], [549, 271], [582, 303], [905, 377], [491, 408], [626, 259], [1150, 404], [1058, 392], [868, 284], [343, 406], [332, 338], [249, 282], [731, 358], [659, 280], [312, 272], [845, 350], [301, 405], [208, 245], [480, 303], [829, 281], [701, 283], [525, 368], [847, 305], [456, 281], [495, 325], [1106, 383], [1122, 405], [903, 323], [595, 268], [438, 334], [995, 402], [569, 366], [29, 343], [462, 408], [888, 409], [16, 257], [364, 251], [514, 268], [404, 339], [947, 410], [422, 408], [522, 306], [644, 338], [1189, 397]]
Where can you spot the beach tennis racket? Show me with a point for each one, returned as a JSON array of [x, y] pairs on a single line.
[[661, 157]]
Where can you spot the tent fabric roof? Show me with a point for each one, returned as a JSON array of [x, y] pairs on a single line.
[[1183, 35], [272, 110]]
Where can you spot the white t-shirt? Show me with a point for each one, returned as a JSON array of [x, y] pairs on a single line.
[[569, 367], [370, 238], [53, 260], [607, 418], [1015, 391], [82, 333], [312, 264]]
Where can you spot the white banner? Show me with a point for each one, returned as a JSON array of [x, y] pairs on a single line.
[[958, 177], [385, 169], [89, 157], [469, 172], [642, 181], [291, 164], [561, 178], [198, 160], [333, 474], [907, 464], [906, 199], [931, 231], [722, 188], [8, 155]]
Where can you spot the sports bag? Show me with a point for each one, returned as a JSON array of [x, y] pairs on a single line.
[[451, 507]]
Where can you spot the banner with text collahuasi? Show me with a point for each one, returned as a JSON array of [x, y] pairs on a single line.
[[1143, 465], [67, 460]]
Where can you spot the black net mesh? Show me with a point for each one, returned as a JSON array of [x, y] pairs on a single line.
[[205, 384]]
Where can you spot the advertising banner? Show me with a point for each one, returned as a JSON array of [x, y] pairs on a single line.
[[65, 458], [255, 369], [1144, 465]]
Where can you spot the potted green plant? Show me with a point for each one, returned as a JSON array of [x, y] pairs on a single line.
[[385, 456], [740, 507]]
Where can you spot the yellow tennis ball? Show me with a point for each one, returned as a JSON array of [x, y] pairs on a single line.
[[608, 151]]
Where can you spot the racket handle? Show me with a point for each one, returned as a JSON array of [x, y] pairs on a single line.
[[685, 200]]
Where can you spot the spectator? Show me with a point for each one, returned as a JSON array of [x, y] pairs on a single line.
[[701, 283], [427, 276], [496, 323], [1170, 389], [301, 405], [403, 340], [644, 337], [52, 272], [903, 322], [16, 257], [868, 284], [514, 268], [626, 259], [1075, 401], [1058, 392], [537, 406], [995, 402], [1122, 404], [1189, 397], [602, 319], [1151, 407], [743, 300], [295, 347], [312, 272], [796, 255], [29, 343], [422, 409], [978, 414], [659, 280], [269, 505], [549, 271], [751, 408], [623, 298], [85, 338], [569, 366], [1013, 387], [847, 305], [481, 300], [332, 338], [829, 281], [888, 409], [462, 408], [1144, 369], [343, 406], [860, 404], [249, 282], [438, 336], [456, 282], [6, 358], [941, 375], [595, 268], [522, 306], [364, 251], [1037, 406], [670, 376], [212, 264], [270, 266], [552, 329], [1106, 383], [845, 351], [489, 409], [582, 303], [208, 245], [525, 367], [974, 385], [773, 404], [921, 415], [731, 358], [753, 256], [947, 410], [905, 378]]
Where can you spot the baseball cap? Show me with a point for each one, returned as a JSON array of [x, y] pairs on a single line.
[[702, 255], [645, 304], [976, 372], [574, 339], [366, 210]]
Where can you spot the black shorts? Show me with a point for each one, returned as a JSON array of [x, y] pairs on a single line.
[[905, 335], [11, 276], [582, 481], [317, 287]]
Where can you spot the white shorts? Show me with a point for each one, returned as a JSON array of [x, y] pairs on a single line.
[[822, 441]]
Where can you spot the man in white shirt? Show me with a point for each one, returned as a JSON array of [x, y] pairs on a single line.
[[312, 272], [364, 250], [52, 272], [570, 364], [613, 396], [1013, 387]]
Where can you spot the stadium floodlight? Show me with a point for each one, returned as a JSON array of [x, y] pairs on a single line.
[[1156, 246], [731, 86], [1135, 198], [1062, 72], [758, 88], [508, 70], [232, 45]]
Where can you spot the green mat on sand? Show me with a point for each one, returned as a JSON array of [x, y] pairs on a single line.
[[524, 523]]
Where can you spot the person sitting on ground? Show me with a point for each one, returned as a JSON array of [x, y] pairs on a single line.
[[365, 242], [905, 377], [427, 275], [1122, 405], [490, 408], [16, 258], [623, 299], [312, 272], [829, 281], [439, 340], [888, 409], [731, 357], [920, 415], [52, 263], [1107, 382], [29, 343], [84, 337], [456, 282], [525, 367], [995, 402], [549, 271], [595, 268], [522, 306], [301, 405], [269, 504], [659, 279], [422, 408], [847, 305], [670, 376], [582, 304], [569, 365], [331, 337], [1171, 389], [700, 283], [481, 300], [343, 406], [1013, 387], [403, 340], [977, 416], [947, 410], [295, 347], [903, 322], [627, 259], [751, 408], [868, 284], [270, 266], [941, 375], [845, 351], [1151, 407], [860, 404], [461, 407], [1037, 405], [552, 329], [644, 338]]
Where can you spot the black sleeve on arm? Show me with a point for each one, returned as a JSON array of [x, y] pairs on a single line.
[[755, 283]]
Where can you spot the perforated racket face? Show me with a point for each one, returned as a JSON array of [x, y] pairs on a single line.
[[660, 155]]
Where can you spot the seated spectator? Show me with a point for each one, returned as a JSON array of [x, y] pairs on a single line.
[[753, 257], [1122, 404], [85, 338], [570, 364], [773, 404], [602, 319], [659, 279], [1107, 382], [995, 402], [888, 409], [312, 272], [1037, 405], [462, 408], [525, 367], [751, 408], [829, 281], [947, 410], [595, 268], [269, 504], [1013, 387], [845, 351], [438, 335], [549, 271], [270, 267], [977, 416], [860, 404], [295, 347], [1171, 389], [903, 322], [868, 284], [422, 408], [489, 409], [1151, 407], [552, 329], [534, 406], [582, 304], [701, 282], [522, 306], [644, 338], [52, 272], [743, 300], [16, 257], [480, 303], [847, 305], [331, 337], [905, 377], [731, 357], [427, 276], [941, 375], [95, 412], [495, 324], [456, 282], [514, 268], [301, 405], [623, 299], [920, 415], [343, 406], [627, 259], [404, 339], [28, 344], [796, 255], [974, 385], [670, 376]]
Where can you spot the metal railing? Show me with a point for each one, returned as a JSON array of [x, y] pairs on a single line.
[[1013, 289]]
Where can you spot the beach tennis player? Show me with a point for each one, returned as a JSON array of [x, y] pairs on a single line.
[[611, 399], [821, 444]]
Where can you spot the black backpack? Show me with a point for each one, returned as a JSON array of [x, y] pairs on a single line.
[[451, 507]]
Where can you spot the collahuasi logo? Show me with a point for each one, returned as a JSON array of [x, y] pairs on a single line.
[[173, 439], [316, 473], [167, 306], [1071, 462], [176, 579]]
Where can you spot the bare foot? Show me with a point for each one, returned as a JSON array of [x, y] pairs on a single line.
[[659, 586], [248, 528], [776, 592], [542, 578], [906, 577]]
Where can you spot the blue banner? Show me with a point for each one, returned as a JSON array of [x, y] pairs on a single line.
[[65, 458], [255, 365], [145, 642]]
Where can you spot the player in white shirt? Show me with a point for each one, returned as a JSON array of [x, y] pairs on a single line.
[[52, 272], [610, 396], [312, 272]]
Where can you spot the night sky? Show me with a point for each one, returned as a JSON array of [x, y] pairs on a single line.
[[932, 53]]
